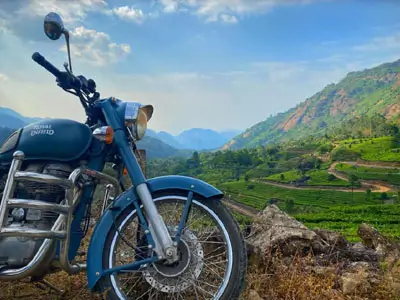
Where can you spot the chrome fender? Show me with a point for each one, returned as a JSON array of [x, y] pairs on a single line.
[[104, 225]]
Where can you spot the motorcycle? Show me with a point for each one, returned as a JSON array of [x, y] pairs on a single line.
[[166, 237]]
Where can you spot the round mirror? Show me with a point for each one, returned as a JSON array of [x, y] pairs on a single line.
[[53, 26]]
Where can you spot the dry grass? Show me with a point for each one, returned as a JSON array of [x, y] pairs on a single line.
[[274, 277]]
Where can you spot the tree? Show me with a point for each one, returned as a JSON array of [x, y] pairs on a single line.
[[384, 196], [368, 194], [282, 177], [331, 177], [353, 180], [289, 205]]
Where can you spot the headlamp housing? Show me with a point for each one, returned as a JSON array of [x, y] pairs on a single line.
[[136, 118]]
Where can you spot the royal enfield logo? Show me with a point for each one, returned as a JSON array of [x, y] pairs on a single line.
[[42, 130]]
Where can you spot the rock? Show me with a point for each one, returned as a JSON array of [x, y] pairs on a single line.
[[354, 282], [253, 295], [359, 247], [373, 239], [334, 239], [274, 229], [394, 286], [320, 270], [359, 252], [360, 266]]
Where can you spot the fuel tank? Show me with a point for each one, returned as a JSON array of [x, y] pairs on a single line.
[[54, 139]]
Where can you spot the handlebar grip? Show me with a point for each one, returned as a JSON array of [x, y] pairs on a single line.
[[38, 58]]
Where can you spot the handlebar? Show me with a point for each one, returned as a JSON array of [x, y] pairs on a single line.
[[66, 80], [38, 58]]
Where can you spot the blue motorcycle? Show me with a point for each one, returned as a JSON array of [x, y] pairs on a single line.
[[168, 237]]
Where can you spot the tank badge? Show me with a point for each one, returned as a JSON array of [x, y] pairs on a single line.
[[42, 130]]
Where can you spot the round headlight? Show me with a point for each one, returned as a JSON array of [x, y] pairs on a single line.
[[141, 124]]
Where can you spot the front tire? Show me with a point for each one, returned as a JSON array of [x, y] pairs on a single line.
[[182, 281]]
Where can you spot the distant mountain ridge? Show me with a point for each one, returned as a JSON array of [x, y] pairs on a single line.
[[157, 144], [360, 94], [11, 119], [196, 138]]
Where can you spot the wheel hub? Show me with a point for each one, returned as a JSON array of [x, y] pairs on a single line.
[[176, 277], [176, 268]]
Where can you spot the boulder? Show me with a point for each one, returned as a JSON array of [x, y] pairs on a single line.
[[274, 229]]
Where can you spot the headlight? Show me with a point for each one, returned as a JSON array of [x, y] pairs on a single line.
[[136, 118]]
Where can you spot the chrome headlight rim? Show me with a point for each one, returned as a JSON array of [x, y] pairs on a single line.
[[134, 113]]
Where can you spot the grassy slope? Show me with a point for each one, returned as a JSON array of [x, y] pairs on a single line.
[[359, 94], [391, 176], [376, 149], [333, 210]]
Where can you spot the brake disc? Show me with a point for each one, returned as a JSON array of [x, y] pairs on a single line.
[[180, 275]]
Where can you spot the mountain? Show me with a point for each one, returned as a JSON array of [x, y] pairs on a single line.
[[204, 139], [11, 119], [165, 137], [361, 94], [154, 147], [195, 138], [192, 139], [4, 133]]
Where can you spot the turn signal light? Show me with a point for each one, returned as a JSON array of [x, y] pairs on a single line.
[[104, 133]]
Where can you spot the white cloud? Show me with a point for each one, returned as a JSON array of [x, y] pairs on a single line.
[[129, 14], [225, 10], [389, 42], [228, 19], [170, 5], [3, 77], [72, 11], [96, 47]]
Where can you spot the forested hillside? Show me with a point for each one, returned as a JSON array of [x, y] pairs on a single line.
[[357, 98]]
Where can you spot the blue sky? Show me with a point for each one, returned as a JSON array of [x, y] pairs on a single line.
[[220, 64]]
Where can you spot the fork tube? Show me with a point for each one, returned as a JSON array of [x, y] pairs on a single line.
[[156, 223]]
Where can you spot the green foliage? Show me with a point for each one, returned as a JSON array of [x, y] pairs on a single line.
[[236, 174], [382, 149], [359, 106], [389, 175], [289, 205], [259, 195], [346, 219], [342, 154]]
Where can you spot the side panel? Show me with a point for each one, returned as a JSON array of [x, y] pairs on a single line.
[[97, 243]]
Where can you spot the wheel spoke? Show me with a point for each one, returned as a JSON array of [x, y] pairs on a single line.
[[199, 274]]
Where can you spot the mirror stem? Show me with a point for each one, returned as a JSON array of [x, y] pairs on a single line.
[[66, 34]]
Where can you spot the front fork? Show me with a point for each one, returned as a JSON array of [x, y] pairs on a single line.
[[164, 246]]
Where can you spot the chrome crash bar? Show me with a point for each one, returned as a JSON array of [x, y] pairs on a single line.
[[61, 229]]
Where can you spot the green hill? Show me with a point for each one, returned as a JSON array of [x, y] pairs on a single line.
[[359, 98]]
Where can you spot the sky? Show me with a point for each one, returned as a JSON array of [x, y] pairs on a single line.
[[218, 64]]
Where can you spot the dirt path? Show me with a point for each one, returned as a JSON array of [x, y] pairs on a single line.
[[373, 185], [379, 187], [241, 208], [310, 187]]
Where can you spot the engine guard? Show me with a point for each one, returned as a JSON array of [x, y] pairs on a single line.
[[104, 225]]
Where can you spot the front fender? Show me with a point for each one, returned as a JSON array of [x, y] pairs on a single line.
[[104, 225]]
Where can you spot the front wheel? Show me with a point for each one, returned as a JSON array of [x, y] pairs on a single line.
[[212, 255]]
